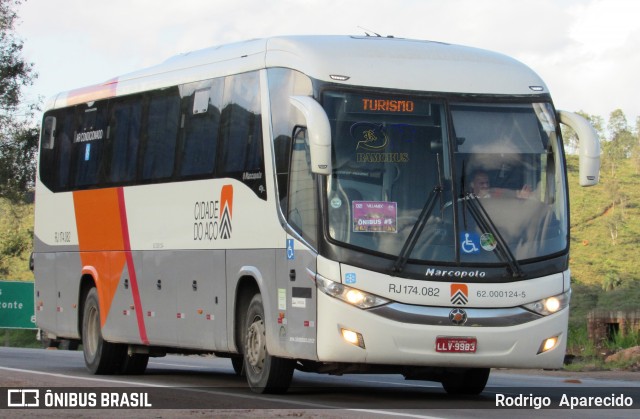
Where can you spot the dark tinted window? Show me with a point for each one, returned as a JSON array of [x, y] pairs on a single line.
[[201, 125], [197, 130], [241, 125], [89, 144], [125, 124], [64, 140], [162, 125], [56, 149]]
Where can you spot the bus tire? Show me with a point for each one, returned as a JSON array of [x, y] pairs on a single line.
[[466, 381], [238, 365], [134, 364], [265, 373], [100, 356]]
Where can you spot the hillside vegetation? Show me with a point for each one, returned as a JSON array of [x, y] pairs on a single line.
[[605, 239], [605, 227], [16, 236]]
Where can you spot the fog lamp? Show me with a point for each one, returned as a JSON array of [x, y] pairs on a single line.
[[352, 337], [548, 344]]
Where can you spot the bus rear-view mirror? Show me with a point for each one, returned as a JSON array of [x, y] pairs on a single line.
[[589, 171], [318, 131]]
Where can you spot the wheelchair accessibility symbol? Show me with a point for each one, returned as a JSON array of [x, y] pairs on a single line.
[[290, 253], [470, 243]]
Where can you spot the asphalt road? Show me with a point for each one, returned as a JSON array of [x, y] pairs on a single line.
[[206, 386]]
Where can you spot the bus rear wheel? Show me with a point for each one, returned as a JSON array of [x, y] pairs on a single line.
[[100, 356], [134, 364], [265, 373], [465, 381]]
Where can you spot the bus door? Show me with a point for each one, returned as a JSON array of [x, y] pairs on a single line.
[[296, 265]]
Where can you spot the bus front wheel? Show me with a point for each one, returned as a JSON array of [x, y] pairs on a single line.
[[265, 373], [238, 365], [465, 381], [100, 356]]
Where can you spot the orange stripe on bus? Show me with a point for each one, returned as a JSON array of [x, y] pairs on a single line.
[[103, 237], [92, 93], [101, 242]]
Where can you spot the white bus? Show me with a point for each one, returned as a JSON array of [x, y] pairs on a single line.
[[311, 203]]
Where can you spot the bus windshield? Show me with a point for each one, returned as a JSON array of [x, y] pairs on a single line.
[[420, 179]]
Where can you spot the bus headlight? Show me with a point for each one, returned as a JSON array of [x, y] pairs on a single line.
[[349, 295], [550, 305]]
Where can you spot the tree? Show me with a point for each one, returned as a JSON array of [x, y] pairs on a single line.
[[15, 72], [617, 123], [18, 138], [621, 140], [17, 162]]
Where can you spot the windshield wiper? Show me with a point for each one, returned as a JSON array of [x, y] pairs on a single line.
[[484, 220], [412, 239]]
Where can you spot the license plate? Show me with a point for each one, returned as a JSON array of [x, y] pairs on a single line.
[[456, 344]]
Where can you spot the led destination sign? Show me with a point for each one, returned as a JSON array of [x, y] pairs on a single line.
[[388, 105]]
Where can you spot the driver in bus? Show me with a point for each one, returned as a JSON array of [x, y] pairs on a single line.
[[481, 187]]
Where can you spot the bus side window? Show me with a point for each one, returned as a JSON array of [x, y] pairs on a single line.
[[47, 150], [88, 145], [161, 131], [126, 118], [241, 126], [63, 145], [202, 122], [281, 150], [303, 206]]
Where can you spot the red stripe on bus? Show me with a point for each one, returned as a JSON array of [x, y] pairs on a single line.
[[131, 268]]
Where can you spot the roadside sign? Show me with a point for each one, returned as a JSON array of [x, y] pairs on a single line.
[[16, 305]]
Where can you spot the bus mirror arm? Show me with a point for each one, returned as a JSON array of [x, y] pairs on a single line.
[[589, 147], [319, 131]]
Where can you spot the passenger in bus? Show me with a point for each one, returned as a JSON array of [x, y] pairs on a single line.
[[524, 192]]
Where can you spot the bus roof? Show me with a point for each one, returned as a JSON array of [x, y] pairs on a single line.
[[364, 60]]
